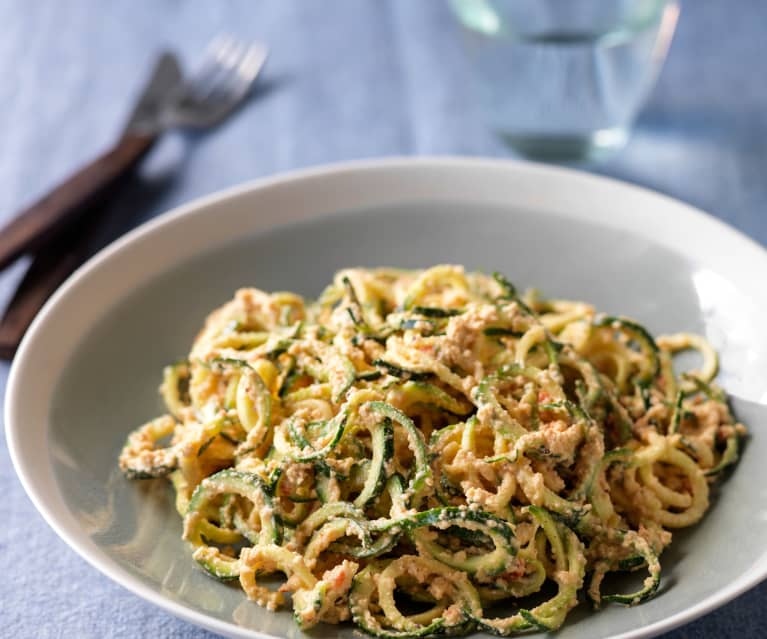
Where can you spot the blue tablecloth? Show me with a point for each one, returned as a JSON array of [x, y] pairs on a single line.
[[346, 79]]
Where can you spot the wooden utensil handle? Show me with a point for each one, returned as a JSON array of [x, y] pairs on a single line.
[[48, 270], [38, 223]]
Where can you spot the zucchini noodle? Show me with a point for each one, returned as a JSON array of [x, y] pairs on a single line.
[[416, 446]]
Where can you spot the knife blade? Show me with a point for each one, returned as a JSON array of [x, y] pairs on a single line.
[[147, 115]]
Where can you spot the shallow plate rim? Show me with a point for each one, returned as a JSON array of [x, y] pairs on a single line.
[[19, 374]]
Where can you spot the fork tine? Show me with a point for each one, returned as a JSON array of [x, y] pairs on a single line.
[[234, 85], [251, 63], [223, 55], [229, 57], [237, 69], [219, 41], [222, 80], [220, 46]]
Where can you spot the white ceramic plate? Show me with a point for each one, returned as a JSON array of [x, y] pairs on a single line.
[[88, 370]]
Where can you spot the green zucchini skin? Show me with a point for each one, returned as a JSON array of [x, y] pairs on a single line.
[[642, 337], [435, 311], [196, 521], [155, 472], [729, 458], [368, 581], [437, 436], [141, 458], [388, 368], [383, 452], [497, 529], [417, 444]]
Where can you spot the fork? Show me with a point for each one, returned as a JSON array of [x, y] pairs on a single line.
[[209, 95], [221, 82], [223, 79]]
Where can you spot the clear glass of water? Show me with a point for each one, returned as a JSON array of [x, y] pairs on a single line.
[[563, 80]]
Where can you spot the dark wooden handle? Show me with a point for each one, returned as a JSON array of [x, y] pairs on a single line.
[[48, 270], [37, 224]]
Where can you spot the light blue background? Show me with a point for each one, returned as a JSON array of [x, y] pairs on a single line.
[[346, 79]]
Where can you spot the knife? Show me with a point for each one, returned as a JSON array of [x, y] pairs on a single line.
[[36, 225], [48, 227]]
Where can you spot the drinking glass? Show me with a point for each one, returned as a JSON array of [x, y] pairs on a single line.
[[564, 79]]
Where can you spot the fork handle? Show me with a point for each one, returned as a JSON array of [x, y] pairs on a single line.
[[29, 230]]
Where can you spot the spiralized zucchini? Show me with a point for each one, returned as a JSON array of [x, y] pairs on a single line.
[[433, 437]]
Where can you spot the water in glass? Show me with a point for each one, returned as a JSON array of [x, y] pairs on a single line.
[[564, 79]]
